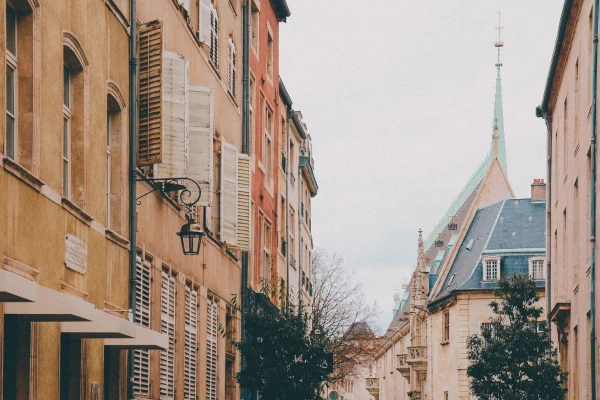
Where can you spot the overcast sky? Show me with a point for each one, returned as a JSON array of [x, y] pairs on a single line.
[[398, 98]]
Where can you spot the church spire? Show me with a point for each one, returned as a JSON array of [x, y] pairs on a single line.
[[498, 125]]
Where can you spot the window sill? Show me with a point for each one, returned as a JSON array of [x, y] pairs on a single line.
[[20, 172], [445, 343], [76, 211], [232, 99], [214, 67], [117, 239]]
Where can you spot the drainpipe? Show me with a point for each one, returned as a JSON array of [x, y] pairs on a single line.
[[133, 127], [245, 150], [300, 240], [593, 206], [287, 206]]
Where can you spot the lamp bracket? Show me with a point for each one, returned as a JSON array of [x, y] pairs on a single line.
[[167, 185]]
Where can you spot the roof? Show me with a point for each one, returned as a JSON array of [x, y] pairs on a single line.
[[285, 94], [512, 228], [282, 11], [562, 28]]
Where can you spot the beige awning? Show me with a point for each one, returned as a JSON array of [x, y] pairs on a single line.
[[52, 306], [103, 325], [144, 339], [16, 288]]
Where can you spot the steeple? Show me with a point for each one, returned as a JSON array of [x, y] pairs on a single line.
[[421, 254], [498, 121]]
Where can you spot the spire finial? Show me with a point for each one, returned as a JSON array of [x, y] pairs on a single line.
[[499, 43]]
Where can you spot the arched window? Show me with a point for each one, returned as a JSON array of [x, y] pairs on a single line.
[[231, 68], [115, 178], [22, 48], [75, 97]]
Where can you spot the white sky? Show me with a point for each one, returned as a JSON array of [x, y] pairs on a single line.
[[398, 98]]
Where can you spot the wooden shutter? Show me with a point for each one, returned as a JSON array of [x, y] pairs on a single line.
[[211, 349], [141, 358], [201, 126], [175, 116], [150, 93], [231, 73], [205, 10], [243, 203], [229, 170], [167, 325], [191, 344]]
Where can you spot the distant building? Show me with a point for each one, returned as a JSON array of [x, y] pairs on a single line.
[[571, 117]]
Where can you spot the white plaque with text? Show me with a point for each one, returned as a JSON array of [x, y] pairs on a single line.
[[75, 254]]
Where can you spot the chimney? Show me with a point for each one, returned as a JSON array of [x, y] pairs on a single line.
[[538, 190]]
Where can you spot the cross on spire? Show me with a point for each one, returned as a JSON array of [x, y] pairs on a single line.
[[499, 43]]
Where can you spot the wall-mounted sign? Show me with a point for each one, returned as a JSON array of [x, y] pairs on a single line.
[[76, 254]]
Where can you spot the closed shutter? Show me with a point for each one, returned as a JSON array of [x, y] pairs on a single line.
[[175, 116], [243, 203], [167, 325], [191, 344], [205, 10], [141, 358], [229, 169], [214, 38], [201, 126], [150, 93], [211, 349], [231, 73]]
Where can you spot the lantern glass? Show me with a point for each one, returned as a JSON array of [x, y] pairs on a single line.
[[191, 237]]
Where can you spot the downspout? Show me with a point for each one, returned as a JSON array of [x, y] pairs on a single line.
[[245, 150], [133, 127], [300, 241], [593, 206], [287, 208]]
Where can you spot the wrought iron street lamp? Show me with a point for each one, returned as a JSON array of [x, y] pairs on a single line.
[[191, 232]]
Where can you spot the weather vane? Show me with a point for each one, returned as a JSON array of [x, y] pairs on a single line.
[[499, 43]]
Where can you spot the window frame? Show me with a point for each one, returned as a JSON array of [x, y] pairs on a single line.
[[213, 51], [484, 262], [531, 263], [231, 68], [11, 60], [267, 156], [108, 168], [66, 153], [446, 327], [254, 27]]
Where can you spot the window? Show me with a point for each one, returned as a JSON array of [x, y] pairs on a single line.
[[491, 269], [115, 178], [66, 132], [11, 72], [17, 356], [231, 69], [270, 56], [565, 133], [267, 252], [268, 144], [254, 27], [576, 111], [75, 77], [252, 119], [536, 269], [212, 322], [167, 326], [213, 54], [446, 396], [446, 326], [141, 358]]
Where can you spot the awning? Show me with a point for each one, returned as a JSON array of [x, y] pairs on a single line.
[[103, 325], [52, 306], [144, 339], [16, 288]]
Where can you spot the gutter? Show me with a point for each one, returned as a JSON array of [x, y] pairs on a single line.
[[133, 128], [562, 28]]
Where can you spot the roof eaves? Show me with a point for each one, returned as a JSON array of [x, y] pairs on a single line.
[[285, 94], [562, 28], [298, 125], [282, 11]]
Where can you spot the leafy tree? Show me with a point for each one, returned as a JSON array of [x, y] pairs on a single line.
[[513, 359], [282, 361]]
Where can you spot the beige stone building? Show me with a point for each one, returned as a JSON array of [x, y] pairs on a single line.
[[571, 121], [64, 278]]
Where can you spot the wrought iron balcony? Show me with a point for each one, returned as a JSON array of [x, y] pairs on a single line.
[[417, 358], [373, 387], [402, 365]]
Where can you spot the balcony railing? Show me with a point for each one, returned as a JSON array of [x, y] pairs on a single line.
[[417, 358], [402, 365], [373, 387]]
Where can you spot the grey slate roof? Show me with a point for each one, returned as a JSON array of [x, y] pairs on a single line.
[[513, 229]]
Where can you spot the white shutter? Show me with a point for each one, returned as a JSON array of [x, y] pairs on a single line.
[[243, 203], [211, 349], [201, 125], [141, 358], [191, 344], [231, 68], [205, 12], [167, 325], [175, 116], [229, 169]]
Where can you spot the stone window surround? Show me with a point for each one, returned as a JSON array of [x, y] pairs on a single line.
[[530, 263]]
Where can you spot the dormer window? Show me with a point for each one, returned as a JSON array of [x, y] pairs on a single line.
[[536, 268], [491, 268]]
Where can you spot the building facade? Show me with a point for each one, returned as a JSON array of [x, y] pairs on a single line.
[[571, 121]]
